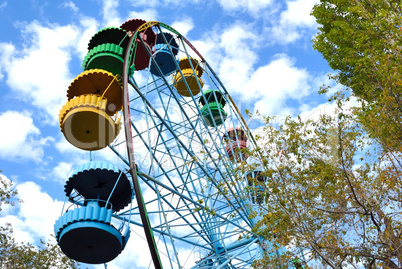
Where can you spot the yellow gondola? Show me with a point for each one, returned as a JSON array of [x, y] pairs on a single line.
[[98, 82], [192, 78], [86, 124]]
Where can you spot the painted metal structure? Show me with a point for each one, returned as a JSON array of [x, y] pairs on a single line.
[[178, 121], [85, 231], [199, 203]]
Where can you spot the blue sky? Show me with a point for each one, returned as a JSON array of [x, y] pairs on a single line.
[[260, 49]]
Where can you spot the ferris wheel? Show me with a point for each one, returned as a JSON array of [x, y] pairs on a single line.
[[150, 96]]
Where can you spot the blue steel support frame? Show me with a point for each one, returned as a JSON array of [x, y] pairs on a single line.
[[199, 201]]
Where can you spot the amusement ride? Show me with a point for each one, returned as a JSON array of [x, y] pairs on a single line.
[[149, 96]]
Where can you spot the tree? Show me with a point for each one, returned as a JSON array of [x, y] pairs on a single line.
[[334, 193], [25, 255], [6, 192], [334, 184], [362, 40]]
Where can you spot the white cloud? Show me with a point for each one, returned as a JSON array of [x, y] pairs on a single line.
[[252, 6], [294, 21], [148, 3], [238, 41], [283, 77], [61, 172], [314, 113], [19, 137], [164, 3], [110, 14], [329, 108], [90, 28], [21, 233], [276, 82], [237, 56], [183, 26], [268, 86], [6, 51], [147, 15], [70, 5], [36, 214], [298, 13], [65, 147], [39, 73]]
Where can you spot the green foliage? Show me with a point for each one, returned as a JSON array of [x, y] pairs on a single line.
[[25, 255], [14, 255], [362, 39], [334, 193], [335, 183], [6, 192]]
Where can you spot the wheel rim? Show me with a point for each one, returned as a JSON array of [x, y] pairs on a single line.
[[186, 171]]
